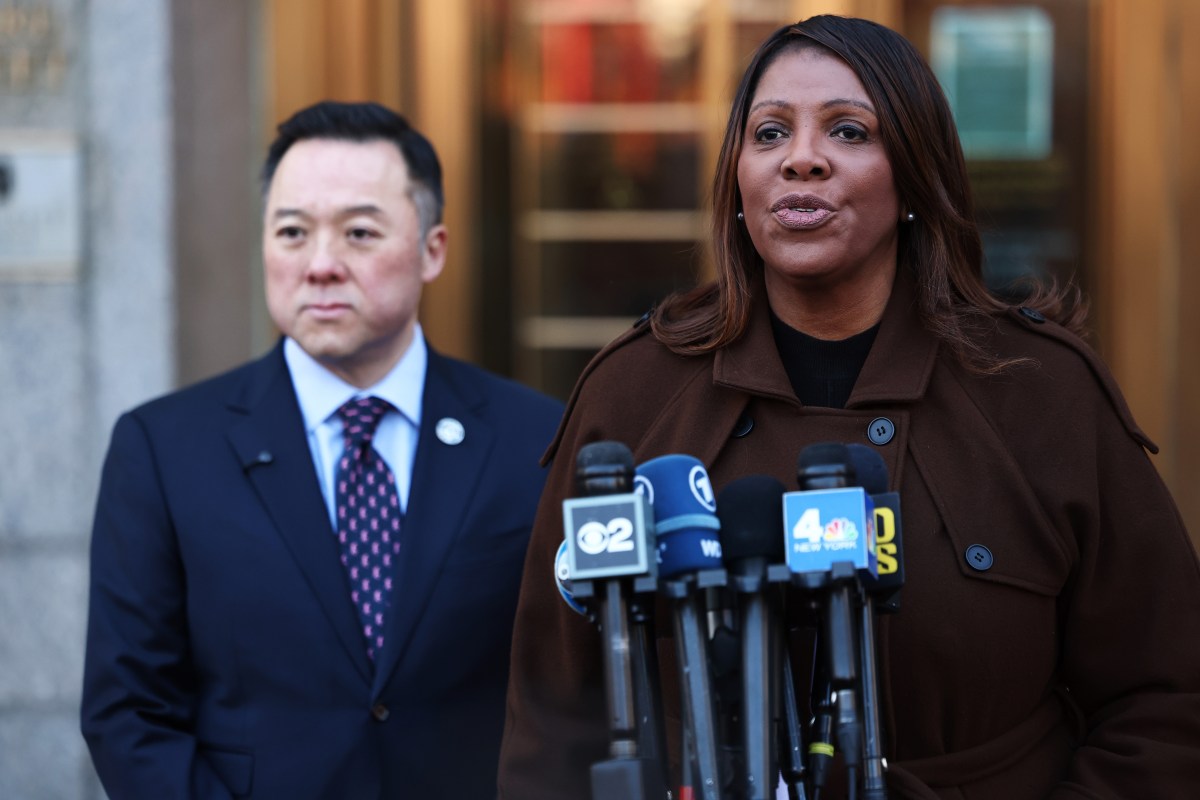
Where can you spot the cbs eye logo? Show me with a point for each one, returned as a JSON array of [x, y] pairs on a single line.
[[615, 536]]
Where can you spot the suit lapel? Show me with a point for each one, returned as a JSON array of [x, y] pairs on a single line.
[[271, 445], [445, 475]]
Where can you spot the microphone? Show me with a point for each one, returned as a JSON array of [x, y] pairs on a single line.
[[685, 521], [749, 512], [562, 579], [607, 530], [830, 522], [830, 529], [830, 533], [872, 475], [689, 561], [607, 540]]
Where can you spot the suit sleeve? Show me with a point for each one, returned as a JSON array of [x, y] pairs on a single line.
[[1131, 633], [138, 684]]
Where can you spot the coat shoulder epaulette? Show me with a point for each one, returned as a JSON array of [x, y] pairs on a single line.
[[1034, 321], [640, 328]]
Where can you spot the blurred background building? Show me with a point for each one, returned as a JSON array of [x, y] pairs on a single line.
[[578, 139]]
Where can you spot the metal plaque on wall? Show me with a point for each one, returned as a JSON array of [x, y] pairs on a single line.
[[40, 205]]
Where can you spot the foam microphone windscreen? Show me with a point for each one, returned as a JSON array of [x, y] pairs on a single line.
[[750, 511], [684, 508]]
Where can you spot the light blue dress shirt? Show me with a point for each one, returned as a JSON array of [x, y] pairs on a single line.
[[321, 393]]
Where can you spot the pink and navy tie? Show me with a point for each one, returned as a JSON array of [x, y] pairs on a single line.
[[368, 517]]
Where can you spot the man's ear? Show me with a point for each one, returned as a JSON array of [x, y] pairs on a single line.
[[433, 253]]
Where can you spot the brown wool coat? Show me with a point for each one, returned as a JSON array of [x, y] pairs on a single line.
[[1069, 669]]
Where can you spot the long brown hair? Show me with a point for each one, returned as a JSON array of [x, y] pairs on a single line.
[[941, 249]]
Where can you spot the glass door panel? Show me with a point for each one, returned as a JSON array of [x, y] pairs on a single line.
[[608, 159], [1016, 75]]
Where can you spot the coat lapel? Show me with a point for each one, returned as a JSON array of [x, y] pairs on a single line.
[[271, 445], [897, 370], [446, 474], [896, 373]]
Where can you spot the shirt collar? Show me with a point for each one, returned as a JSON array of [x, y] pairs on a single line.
[[320, 393]]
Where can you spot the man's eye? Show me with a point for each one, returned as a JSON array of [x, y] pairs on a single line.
[[361, 234], [290, 232]]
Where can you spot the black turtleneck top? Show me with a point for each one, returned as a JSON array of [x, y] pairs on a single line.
[[822, 372]]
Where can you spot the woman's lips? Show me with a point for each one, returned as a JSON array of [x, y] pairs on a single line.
[[802, 217], [801, 211]]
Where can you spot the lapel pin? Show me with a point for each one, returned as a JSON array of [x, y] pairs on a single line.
[[450, 431], [262, 458]]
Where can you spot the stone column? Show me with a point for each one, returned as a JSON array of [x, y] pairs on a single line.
[[95, 327]]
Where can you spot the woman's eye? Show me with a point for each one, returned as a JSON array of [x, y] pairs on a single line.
[[849, 133], [768, 134]]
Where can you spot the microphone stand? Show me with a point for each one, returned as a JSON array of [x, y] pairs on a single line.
[[858, 730], [628, 773], [874, 786], [841, 628], [839, 596], [699, 711], [764, 657], [833, 595], [792, 766], [647, 701], [635, 769]]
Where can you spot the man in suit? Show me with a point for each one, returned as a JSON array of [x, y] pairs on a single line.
[[304, 571]]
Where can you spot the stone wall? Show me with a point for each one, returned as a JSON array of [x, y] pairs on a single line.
[[89, 336]]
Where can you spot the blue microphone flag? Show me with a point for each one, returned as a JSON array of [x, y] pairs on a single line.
[[825, 526]]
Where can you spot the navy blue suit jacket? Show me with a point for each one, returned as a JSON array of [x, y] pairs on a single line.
[[224, 657]]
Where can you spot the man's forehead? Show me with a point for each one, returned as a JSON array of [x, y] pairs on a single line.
[[346, 172], [341, 155]]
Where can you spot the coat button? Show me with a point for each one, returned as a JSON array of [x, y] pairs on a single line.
[[380, 712], [744, 425], [979, 558], [881, 430], [1033, 314]]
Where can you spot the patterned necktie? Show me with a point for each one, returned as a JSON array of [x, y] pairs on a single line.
[[368, 517]]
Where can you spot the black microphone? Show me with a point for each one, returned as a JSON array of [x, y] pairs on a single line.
[[607, 535], [689, 562], [830, 542], [749, 510], [830, 526], [872, 476]]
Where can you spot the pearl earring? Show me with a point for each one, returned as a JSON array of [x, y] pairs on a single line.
[[741, 217], [910, 217]]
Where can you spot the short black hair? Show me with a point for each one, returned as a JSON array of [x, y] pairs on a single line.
[[365, 122]]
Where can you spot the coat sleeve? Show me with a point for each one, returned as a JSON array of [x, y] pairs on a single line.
[[138, 684], [555, 725], [1131, 630]]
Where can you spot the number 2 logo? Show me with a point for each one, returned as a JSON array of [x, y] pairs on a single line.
[[595, 537]]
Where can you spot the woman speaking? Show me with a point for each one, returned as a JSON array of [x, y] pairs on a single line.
[[1048, 640]]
